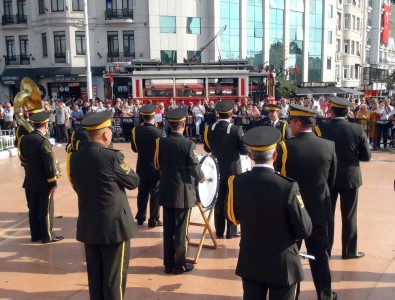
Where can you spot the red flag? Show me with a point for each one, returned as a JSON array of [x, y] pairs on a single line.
[[297, 71], [110, 77]]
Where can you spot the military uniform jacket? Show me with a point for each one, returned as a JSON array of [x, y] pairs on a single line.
[[223, 140], [19, 132], [176, 158], [312, 162], [351, 146], [36, 154], [78, 139], [144, 143], [272, 217], [99, 176], [280, 125]]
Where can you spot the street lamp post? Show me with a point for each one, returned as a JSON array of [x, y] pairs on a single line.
[[88, 56]]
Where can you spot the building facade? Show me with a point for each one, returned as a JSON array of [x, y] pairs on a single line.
[[306, 41]]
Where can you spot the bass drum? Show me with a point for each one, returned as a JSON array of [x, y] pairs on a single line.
[[207, 191]]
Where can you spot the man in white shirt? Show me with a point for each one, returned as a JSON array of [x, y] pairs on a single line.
[[198, 112], [284, 108], [383, 124]]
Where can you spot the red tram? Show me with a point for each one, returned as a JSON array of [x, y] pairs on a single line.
[[226, 79]]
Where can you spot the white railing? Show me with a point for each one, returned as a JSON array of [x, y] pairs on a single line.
[[7, 138]]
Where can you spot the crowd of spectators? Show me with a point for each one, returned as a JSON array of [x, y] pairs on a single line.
[[376, 115]]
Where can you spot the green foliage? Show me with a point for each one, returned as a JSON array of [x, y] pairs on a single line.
[[285, 88]]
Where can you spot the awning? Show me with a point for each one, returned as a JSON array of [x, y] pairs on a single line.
[[351, 91], [319, 90], [50, 72], [13, 76]]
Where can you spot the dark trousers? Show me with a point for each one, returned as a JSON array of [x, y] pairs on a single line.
[[107, 267], [348, 208], [317, 245], [148, 188], [40, 206], [175, 229], [63, 136], [219, 212], [382, 131], [255, 290]]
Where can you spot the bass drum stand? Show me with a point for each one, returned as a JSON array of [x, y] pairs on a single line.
[[207, 193]]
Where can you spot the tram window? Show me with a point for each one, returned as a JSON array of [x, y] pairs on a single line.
[[223, 86]]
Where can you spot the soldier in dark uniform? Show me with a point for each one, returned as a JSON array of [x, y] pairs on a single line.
[[105, 223], [144, 143], [78, 139], [312, 162], [352, 146], [40, 179], [223, 140], [274, 121], [271, 222], [175, 157], [20, 130]]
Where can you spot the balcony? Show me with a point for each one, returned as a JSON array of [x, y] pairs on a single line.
[[120, 56], [60, 58], [117, 14], [17, 60], [11, 19]]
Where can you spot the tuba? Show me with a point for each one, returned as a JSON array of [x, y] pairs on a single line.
[[29, 98]]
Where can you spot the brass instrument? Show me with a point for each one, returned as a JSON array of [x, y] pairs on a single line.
[[29, 98]]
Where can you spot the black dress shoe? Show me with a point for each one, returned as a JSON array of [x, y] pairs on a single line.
[[182, 269], [155, 223], [358, 255], [140, 222], [232, 236], [168, 269], [334, 295], [219, 236], [328, 296], [54, 240]]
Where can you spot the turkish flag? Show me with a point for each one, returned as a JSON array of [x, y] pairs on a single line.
[[110, 77], [297, 71]]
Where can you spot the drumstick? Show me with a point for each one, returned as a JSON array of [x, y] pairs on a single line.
[[306, 256]]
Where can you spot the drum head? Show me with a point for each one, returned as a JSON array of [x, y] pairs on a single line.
[[208, 190]]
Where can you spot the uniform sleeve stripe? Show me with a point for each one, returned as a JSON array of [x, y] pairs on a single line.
[[134, 137], [206, 138], [318, 131], [156, 158], [51, 179]]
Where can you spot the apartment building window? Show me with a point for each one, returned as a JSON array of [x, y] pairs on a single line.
[[193, 25], [358, 25], [357, 68], [168, 56], [357, 49], [194, 56], [8, 8], [352, 71], [128, 43], [167, 24], [127, 4], [41, 7], [345, 72], [337, 72], [78, 5], [113, 43], [330, 11], [60, 46], [80, 42], [57, 5], [352, 52], [329, 62], [353, 23], [24, 46], [21, 5], [330, 37], [10, 45], [338, 44], [347, 20], [339, 21], [44, 44], [347, 46]]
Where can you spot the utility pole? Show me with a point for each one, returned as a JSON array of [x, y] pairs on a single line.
[[88, 53]]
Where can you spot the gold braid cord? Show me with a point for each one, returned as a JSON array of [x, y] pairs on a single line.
[[230, 208], [317, 131], [156, 158], [284, 158], [134, 137], [68, 168], [206, 137]]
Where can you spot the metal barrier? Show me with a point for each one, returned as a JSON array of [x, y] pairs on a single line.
[[7, 138]]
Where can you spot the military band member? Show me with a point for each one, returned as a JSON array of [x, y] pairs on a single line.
[[351, 146], [223, 140], [40, 178], [105, 223], [312, 162], [274, 121], [175, 157], [271, 222], [144, 143], [78, 139]]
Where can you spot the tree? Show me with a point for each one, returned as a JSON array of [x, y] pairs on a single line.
[[285, 88]]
